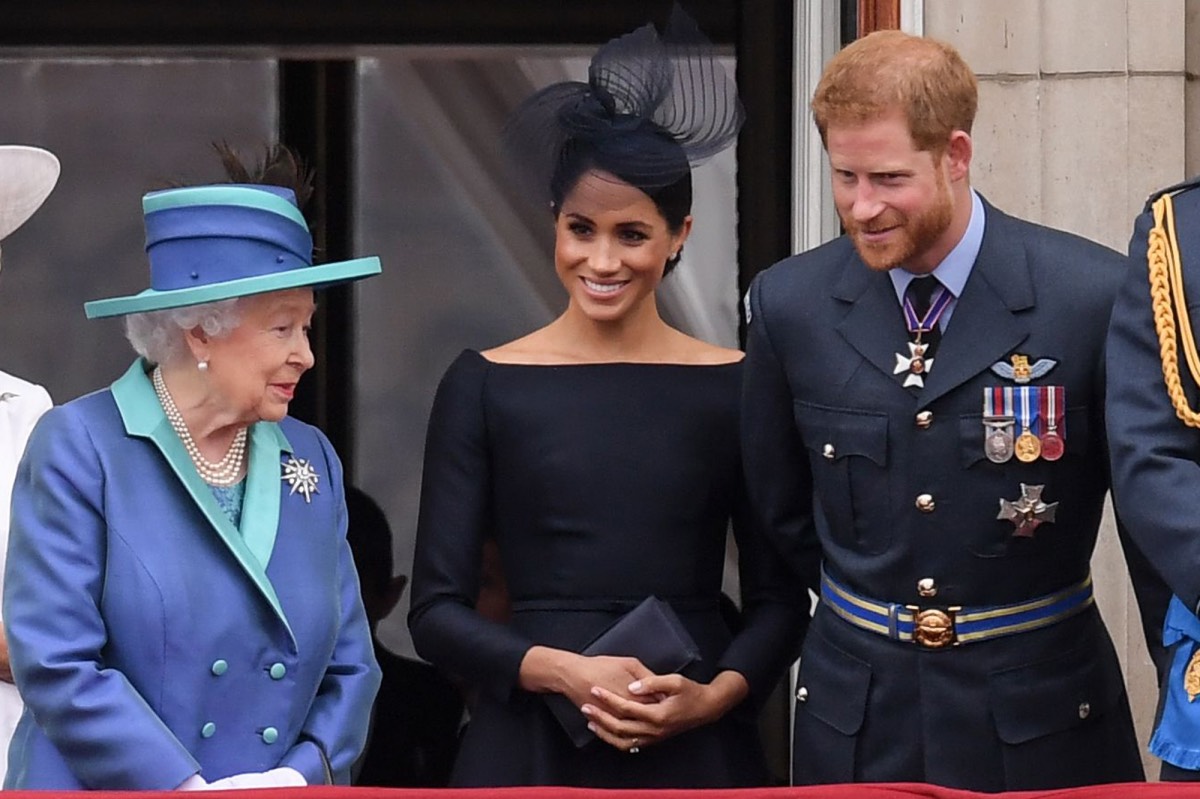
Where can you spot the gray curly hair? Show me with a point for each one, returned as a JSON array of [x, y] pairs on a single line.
[[157, 336]]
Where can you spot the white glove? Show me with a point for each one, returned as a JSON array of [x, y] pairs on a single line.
[[275, 778], [193, 783]]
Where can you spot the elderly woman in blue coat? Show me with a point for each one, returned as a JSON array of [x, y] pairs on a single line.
[[181, 605]]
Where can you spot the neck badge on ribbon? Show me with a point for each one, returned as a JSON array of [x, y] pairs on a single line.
[[916, 364]]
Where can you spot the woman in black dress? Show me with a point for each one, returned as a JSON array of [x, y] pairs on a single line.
[[601, 452]]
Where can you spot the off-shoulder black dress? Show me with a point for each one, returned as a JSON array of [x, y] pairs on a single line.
[[602, 484]]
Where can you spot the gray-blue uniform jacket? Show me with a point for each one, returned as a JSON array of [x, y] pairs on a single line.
[[892, 492], [1156, 461]]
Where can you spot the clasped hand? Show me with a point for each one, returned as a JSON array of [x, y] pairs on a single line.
[[582, 673], [656, 707], [627, 705]]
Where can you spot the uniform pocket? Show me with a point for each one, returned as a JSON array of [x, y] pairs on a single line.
[[1053, 695], [848, 455], [1063, 717], [835, 687]]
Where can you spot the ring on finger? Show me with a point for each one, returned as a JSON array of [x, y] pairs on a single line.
[[633, 746]]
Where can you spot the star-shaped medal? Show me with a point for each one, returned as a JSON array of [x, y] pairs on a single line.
[[301, 476], [916, 364], [1027, 512]]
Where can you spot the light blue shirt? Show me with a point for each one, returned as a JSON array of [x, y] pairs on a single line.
[[955, 268]]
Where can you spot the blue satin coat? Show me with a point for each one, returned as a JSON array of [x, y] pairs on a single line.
[[150, 638]]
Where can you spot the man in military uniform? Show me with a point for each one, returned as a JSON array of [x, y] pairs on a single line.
[[1153, 383], [923, 438]]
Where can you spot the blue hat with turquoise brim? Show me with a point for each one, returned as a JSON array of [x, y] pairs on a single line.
[[209, 243]]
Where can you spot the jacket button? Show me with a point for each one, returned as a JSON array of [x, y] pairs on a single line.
[[208, 730], [927, 587], [1085, 710], [801, 694], [924, 419], [828, 451], [277, 671], [925, 503], [219, 667], [270, 735]]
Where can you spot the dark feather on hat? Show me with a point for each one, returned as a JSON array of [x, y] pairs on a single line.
[[279, 166]]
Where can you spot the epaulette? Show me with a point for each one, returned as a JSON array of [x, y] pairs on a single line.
[[1169, 302], [1183, 185]]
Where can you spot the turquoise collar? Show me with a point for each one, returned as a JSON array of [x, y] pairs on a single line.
[[252, 545]]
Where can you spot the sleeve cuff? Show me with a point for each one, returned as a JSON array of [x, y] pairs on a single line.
[[311, 761]]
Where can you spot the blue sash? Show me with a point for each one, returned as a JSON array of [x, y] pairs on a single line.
[[1176, 739]]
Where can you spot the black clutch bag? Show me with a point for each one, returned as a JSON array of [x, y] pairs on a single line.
[[653, 634]]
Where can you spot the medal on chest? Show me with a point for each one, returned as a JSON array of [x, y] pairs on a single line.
[[1027, 512], [1028, 422], [1027, 446], [998, 421], [1052, 404], [917, 364]]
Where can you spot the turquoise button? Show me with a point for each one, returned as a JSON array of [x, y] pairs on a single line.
[[277, 671], [270, 735], [219, 667], [208, 730]]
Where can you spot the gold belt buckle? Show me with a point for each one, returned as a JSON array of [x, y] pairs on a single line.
[[933, 628]]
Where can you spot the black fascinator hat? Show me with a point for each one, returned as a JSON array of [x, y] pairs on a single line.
[[653, 106]]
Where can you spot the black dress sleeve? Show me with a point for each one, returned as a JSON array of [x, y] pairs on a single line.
[[775, 610], [454, 519]]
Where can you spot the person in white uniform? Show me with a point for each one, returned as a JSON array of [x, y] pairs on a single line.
[[27, 175]]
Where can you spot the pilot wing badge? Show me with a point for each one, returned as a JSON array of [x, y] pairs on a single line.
[[1020, 371]]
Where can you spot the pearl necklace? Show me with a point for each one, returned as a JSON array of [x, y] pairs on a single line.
[[225, 472]]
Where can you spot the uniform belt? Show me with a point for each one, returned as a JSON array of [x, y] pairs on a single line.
[[938, 627]]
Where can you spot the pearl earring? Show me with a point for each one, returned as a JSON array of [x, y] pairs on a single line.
[[202, 366]]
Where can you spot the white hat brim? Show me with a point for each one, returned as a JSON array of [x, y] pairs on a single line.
[[27, 176]]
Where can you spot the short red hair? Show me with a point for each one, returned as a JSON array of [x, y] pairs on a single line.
[[926, 79]]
